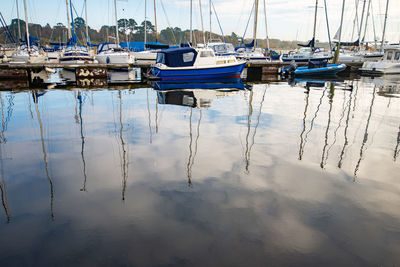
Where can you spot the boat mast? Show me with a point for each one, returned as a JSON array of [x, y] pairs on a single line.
[[384, 24], [202, 23], [315, 26], [191, 19], [145, 23], [255, 24], [336, 57], [72, 19], [361, 22], [68, 21], [116, 23], [366, 19], [266, 24], [327, 25], [373, 25], [210, 20], [87, 27], [155, 19], [27, 27], [19, 26]]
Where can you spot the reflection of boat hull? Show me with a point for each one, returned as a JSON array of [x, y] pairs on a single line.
[[380, 68], [213, 84], [195, 73]]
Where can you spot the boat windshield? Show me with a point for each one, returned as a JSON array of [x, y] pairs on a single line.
[[397, 56], [76, 48], [160, 58], [206, 53]]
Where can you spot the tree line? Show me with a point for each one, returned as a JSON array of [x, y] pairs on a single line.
[[128, 30]]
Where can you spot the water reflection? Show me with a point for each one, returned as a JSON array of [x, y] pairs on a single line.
[[80, 121], [3, 187], [365, 138], [274, 174], [35, 96]]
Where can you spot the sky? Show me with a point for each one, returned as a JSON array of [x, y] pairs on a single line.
[[286, 20]]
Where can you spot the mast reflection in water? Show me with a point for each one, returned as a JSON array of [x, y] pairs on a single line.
[[227, 175]]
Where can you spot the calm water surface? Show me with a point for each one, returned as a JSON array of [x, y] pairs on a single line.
[[281, 174]]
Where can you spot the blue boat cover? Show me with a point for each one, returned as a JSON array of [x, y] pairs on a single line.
[[177, 57], [311, 43], [139, 46]]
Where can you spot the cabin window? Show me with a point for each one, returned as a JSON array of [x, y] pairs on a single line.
[[389, 55], [206, 54], [188, 57], [397, 56], [160, 58]]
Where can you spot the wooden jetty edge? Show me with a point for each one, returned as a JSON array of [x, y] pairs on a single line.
[[94, 70]]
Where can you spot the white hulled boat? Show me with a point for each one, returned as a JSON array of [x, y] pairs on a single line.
[[111, 53], [389, 64], [76, 54], [24, 55]]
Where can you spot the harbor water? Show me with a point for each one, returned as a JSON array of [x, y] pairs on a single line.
[[299, 173]]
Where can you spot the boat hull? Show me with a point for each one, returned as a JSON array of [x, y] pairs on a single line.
[[329, 70], [115, 58], [190, 73]]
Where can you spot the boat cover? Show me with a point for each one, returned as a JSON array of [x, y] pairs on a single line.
[[177, 57]]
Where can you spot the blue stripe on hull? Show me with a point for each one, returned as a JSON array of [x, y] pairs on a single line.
[[207, 73]]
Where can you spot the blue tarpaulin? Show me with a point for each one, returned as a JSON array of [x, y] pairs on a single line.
[[139, 46]]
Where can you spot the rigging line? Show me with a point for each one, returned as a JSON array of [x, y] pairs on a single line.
[[248, 21], [169, 24], [219, 24]]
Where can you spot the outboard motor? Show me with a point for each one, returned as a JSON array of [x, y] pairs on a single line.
[[291, 69]]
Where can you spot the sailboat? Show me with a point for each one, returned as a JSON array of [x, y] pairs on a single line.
[[309, 52], [113, 53], [188, 63], [251, 52], [74, 53], [27, 52]]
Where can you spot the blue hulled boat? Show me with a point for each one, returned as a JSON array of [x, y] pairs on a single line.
[[314, 69], [187, 63]]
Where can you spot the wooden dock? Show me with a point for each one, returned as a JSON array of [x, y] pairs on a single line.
[[253, 70]]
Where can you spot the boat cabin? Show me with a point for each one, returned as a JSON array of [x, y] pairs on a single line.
[[109, 47], [392, 55]]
